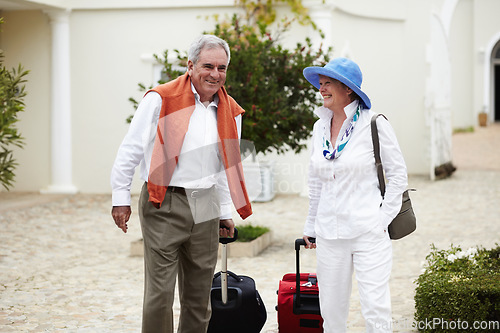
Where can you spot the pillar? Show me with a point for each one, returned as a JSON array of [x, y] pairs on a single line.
[[61, 150], [321, 14]]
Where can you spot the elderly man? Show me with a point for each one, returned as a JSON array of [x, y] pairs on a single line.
[[185, 134]]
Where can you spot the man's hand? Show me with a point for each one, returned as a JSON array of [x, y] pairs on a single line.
[[121, 214], [229, 232]]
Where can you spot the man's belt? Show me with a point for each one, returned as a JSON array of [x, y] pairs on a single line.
[[193, 193]]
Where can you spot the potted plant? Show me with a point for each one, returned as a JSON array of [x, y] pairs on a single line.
[[251, 241], [482, 118]]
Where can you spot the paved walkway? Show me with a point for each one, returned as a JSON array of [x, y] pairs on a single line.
[[65, 267]]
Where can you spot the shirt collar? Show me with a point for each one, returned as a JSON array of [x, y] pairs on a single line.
[[327, 114], [215, 102], [351, 109]]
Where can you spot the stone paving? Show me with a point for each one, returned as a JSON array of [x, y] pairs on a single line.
[[65, 267]]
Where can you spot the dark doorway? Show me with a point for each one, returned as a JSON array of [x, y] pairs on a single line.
[[497, 92]]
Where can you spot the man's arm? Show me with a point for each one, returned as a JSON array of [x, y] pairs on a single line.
[[132, 150]]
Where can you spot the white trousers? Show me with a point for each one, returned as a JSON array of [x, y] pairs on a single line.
[[370, 256]]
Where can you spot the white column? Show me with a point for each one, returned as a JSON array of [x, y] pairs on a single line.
[[61, 159], [322, 15]]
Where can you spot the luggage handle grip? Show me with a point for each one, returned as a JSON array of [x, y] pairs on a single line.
[[301, 242], [227, 240]]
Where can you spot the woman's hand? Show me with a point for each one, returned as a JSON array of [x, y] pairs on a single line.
[[309, 245]]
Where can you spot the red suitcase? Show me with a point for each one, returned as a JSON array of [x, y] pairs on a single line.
[[298, 300]]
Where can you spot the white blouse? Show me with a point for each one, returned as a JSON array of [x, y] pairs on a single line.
[[344, 194]]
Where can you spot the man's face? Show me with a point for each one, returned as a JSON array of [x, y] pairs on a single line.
[[208, 75]]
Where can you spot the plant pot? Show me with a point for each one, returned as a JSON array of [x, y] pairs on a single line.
[[483, 119], [248, 249], [234, 250], [259, 179]]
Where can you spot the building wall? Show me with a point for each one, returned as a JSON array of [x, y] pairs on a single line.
[[109, 57], [407, 89], [486, 34], [392, 65], [463, 59], [26, 40]]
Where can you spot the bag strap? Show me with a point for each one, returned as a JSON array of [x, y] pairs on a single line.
[[376, 152]]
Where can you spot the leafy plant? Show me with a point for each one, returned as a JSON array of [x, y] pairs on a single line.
[[247, 233], [11, 102], [267, 81], [265, 78], [469, 129], [459, 289]]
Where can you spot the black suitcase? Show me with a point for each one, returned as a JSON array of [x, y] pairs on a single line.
[[236, 303]]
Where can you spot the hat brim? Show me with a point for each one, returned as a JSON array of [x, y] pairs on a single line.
[[312, 75]]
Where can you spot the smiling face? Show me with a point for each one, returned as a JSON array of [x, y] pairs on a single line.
[[208, 75], [336, 95]]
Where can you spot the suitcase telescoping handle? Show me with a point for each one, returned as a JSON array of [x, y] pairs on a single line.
[[223, 274], [298, 243]]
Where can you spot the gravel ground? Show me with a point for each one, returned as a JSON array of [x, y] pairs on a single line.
[[65, 267]]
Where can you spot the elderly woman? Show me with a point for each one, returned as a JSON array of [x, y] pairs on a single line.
[[347, 214]]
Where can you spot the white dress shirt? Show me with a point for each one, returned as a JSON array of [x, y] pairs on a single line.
[[199, 165], [344, 194]]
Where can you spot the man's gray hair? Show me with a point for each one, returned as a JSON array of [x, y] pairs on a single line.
[[209, 42]]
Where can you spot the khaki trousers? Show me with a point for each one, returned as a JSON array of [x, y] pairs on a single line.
[[176, 246]]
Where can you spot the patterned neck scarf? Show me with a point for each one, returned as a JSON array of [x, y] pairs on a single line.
[[328, 152]]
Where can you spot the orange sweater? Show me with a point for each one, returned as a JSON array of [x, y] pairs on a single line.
[[178, 104]]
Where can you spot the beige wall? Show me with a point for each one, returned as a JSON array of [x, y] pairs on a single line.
[[486, 34], [390, 50], [106, 65], [26, 40], [463, 59], [106, 68]]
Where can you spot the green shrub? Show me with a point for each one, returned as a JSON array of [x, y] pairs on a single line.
[[247, 233], [266, 80], [11, 103], [264, 77], [459, 291], [469, 129]]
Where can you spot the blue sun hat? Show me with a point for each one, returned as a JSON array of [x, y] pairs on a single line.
[[343, 70]]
